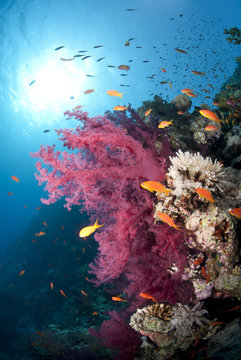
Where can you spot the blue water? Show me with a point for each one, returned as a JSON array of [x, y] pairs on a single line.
[[31, 30]]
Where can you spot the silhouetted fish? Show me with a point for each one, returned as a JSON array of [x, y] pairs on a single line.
[[46, 131], [86, 57], [100, 59], [58, 48], [32, 82], [131, 9], [130, 39], [98, 46]]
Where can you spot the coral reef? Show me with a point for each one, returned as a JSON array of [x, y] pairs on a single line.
[[182, 102], [172, 327], [209, 228]]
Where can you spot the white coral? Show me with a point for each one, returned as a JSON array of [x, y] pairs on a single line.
[[184, 319], [189, 171]]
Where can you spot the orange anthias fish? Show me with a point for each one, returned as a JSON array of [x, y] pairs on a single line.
[[210, 115], [63, 293], [166, 218], [78, 107], [147, 296], [15, 178], [236, 212], [51, 285], [181, 51], [197, 72], [155, 186], [89, 91], [205, 194], [88, 230], [21, 272], [162, 69], [147, 112], [164, 124], [119, 108], [10, 193], [84, 293], [186, 90], [123, 67], [116, 298], [114, 93], [41, 233], [191, 94], [211, 128]]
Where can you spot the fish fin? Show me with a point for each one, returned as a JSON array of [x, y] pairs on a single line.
[[121, 95], [171, 122], [96, 225], [167, 192], [177, 227]]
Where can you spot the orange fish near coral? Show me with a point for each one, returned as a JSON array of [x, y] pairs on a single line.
[[88, 230], [236, 212], [186, 90], [84, 293], [114, 93], [123, 67], [210, 115], [211, 128], [51, 286], [63, 293], [119, 108], [197, 72], [15, 178], [205, 194], [164, 124], [166, 218], [155, 186], [147, 296], [148, 112], [116, 298]]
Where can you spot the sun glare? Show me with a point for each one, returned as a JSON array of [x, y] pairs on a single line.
[[54, 85]]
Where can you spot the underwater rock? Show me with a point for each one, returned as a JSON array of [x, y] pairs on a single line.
[[229, 283], [172, 327], [233, 148], [182, 102]]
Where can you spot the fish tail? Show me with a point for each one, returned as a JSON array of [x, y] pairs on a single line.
[[121, 95], [167, 192], [97, 225], [171, 122], [177, 227]]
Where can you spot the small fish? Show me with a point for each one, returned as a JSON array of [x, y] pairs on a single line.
[[170, 84], [75, 56], [94, 313], [147, 296], [84, 293], [211, 128], [138, 47], [210, 115], [205, 194], [123, 74], [216, 103], [191, 94], [235, 308], [127, 43], [197, 72], [163, 82], [155, 186], [181, 51], [38, 208], [51, 285], [218, 323], [116, 298], [162, 69], [130, 39], [71, 97], [82, 51], [100, 59], [186, 90], [86, 57], [124, 67], [166, 218], [147, 112], [88, 230], [236, 212], [32, 82], [41, 233], [89, 91], [164, 124], [78, 107], [111, 66], [45, 224], [206, 91], [90, 75], [211, 86], [131, 9], [15, 178], [21, 272], [114, 93], [46, 131], [58, 48], [180, 112], [63, 293], [146, 61], [65, 59], [120, 108], [98, 46], [10, 193], [40, 333]]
